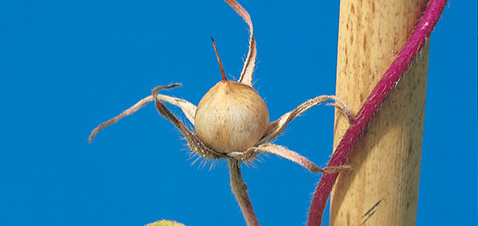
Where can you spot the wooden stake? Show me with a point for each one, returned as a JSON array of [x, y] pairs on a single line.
[[382, 187]]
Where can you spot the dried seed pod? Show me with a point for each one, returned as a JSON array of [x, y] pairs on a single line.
[[231, 117]]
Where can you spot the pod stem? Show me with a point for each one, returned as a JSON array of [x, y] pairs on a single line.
[[239, 189]]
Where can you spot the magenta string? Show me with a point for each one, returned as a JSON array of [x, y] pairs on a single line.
[[389, 80]]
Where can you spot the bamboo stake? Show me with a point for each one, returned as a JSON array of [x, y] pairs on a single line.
[[382, 188]]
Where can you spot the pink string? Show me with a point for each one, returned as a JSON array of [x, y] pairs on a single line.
[[372, 104]]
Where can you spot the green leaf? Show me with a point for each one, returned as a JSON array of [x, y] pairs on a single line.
[[165, 223]]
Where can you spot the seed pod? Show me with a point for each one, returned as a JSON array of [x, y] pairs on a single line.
[[231, 117]]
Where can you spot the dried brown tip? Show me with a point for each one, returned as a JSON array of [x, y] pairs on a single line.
[[336, 169], [343, 108], [219, 60]]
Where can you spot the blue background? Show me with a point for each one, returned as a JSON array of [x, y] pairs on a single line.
[[67, 66]]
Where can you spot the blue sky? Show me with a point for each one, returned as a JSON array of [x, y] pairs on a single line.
[[67, 66]]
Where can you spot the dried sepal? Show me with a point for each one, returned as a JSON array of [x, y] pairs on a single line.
[[194, 143], [187, 108], [129, 111], [290, 155], [277, 127], [250, 63], [345, 111], [295, 157]]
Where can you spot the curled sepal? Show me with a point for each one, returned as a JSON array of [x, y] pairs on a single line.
[[277, 127], [290, 155], [296, 157], [187, 108], [250, 63], [193, 142]]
